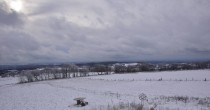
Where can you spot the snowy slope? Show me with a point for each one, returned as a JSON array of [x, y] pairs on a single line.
[[165, 75], [103, 90]]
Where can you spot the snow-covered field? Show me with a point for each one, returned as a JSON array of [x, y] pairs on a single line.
[[102, 91]]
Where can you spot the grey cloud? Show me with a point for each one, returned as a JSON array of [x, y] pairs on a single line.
[[103, 30], [48, 7], [198, 51], [15, 46], [17, 40], [9, 16]]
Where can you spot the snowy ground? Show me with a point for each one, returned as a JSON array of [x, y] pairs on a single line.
[[102, 91]]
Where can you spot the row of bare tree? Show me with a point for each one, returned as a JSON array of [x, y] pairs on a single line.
[[66, 71], [141, 67]]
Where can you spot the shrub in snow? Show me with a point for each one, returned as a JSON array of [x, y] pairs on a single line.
[[142, 97], [160, 79], [22, 79], [205, 79]]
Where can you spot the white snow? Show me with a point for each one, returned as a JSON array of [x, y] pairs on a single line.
[[165, 75], [8, 81], [103, 90]]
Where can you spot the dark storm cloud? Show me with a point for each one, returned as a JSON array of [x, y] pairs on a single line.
[[105, 30]]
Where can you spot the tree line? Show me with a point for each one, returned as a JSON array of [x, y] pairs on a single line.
[[63, 72], [72, 70], [144, 67]]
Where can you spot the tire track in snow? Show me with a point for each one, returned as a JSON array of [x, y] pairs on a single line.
[[106, 93]]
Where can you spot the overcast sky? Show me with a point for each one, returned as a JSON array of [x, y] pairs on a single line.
[[49, 31]]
